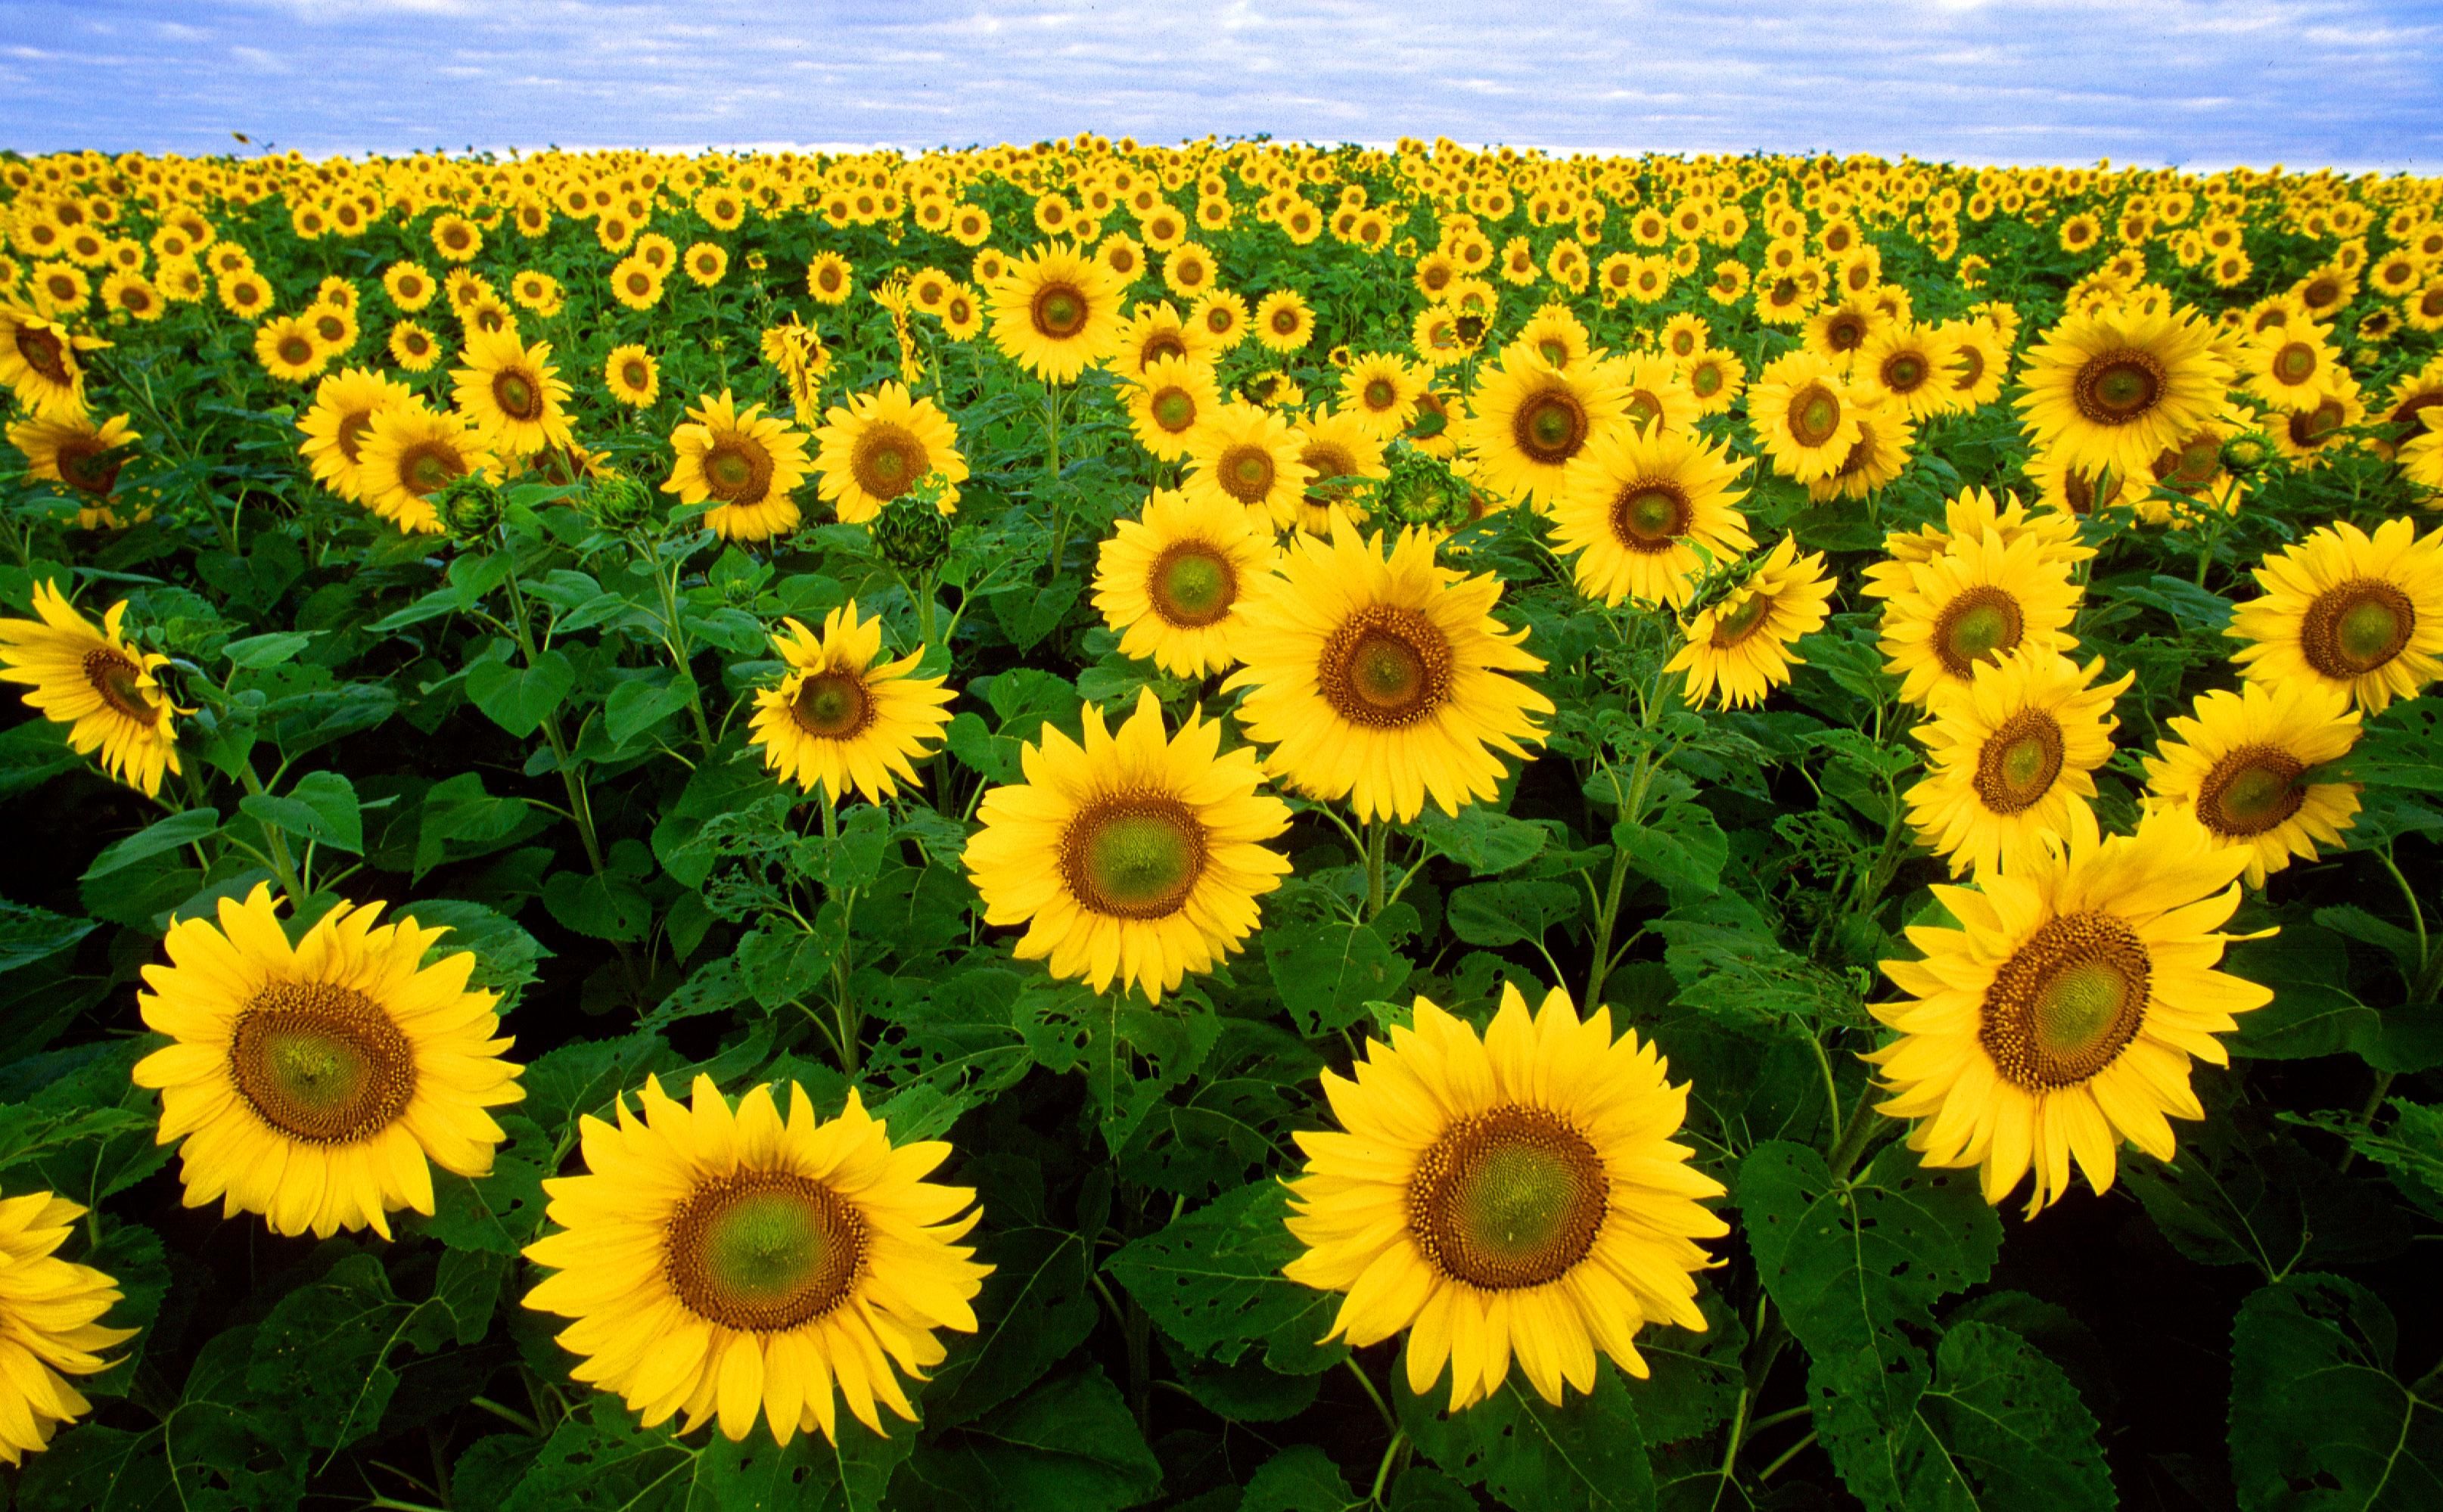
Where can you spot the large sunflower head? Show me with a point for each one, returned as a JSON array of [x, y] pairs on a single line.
[[1380, 390], [2010, 754], [313, 1083], [2058, 1018], [513, 393], [734, 1266], [1738, 648], [285, 347], [1519, 1196], [76, 453], [2347, 611], [744, 461], [1887, 437], [1647, 512], [340, 423], [92, 680], [1175, 581], [1056, 311], [1909, 368], [2292, 366], [1979, 601], [50, 1312], [1134, 857], [1341, 457], [1248, 456], [1153, 333], [1378, 675], [2240, 766], [1167, 402], [409, 453], [1805, 418], [844, 718], [40, 362], [882, 444], [2116, 387], [1528, 420]]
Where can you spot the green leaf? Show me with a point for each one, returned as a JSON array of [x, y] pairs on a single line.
[[321, 808], [1327, 970], [520, 698], [1695, 1379], [2318, 1422], [2240, 1193], [1212, 1281], [1529, 1455], [583, 1077], [1682, 849], [1856, 1269], [325, 1352], [507, 957], [28, 934], [1036, 1306], [461, 821], [131, 1255], [1493, 913], [2411, 1151], [1300, 1479], [2012, 1430], [266, 650], [174, 833], [1070, 1445], [602, 907], [598, 1460], [636, 706], [1026, 614], [497, 1213], [1482, 838]]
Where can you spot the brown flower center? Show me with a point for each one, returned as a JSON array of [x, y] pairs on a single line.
[[737, 470], [517, 393], [2116, 387], [1191, 584], [1649, 515], [1385, 668], [428, 464], [1845, 331], [1549, 426], [1815, 415], [1159, 345], [1245, 473], [1134, 856], [1979, 625], [1059, 311], [2192, 466], [2294, 364], [1508, 1198], [764, 1252], [1738, 621], [1905, 372], [2019, 762], [320, 1062], [2066, 1003], [89, 466], [2252, 789], [119, 680], [833, 705], [1380, 393], [888, 460], [1971, 368], [1173, 410], [2355, 627], [295, 349]]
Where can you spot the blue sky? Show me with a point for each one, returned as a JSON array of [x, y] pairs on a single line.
[[2355, 83]]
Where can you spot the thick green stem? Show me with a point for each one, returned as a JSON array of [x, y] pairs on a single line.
[[1856, 1137], [1378, 840]]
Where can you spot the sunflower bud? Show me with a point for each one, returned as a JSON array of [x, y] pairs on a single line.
[[739, 593], [617, 501], [911, 533], [2244, 453], [469, 506], [1423, 490]]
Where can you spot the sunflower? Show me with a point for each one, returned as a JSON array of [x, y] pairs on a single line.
[[285, 347], [1174, 581], [2356, 612], [1805, 417], [312, 1083], [1056, 311], [1978, 601], [1519, 1195], [636, 284], [1283, 321], [80, 455], [1132, 857], [881, 444], [2291, 367], [1380, 390], [963, 313], [337, 426], [745, 461], [632, 376], [409, 452], [408, 287], [733, 1265], [2116, 388], [1168, 401], [1222, 316], [1153, 333], [1381, 676], [2009, 755], [2059, 1018], [843, 718], [1248, 456], [334, 329], [1187, 270], [1715, 379], [96, 684], [2237, 767], [514, 394], [50, 1328], [1909, 368], [1529, 420], [1647, 512], [1739, 647], [1341, 458]]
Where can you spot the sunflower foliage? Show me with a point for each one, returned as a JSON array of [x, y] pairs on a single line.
[[1228, 826]]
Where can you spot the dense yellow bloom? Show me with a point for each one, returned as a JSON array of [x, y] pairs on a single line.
[[844, 718], [1978, 601], [1804, 415], [2359, 614], [513, 393], [1249, 457], [736, 1267], [1519, 1196], [50, 1328], [743, 461], [881, 444], [338, 423], [632, 376], [2118, 388], [2237, 763], [2058, 1019], [2010, 754], [313, 1083], [1056, 311], [407, 454], [1529, 420], [1381, 391], [1648, 512], [1740, 648], [1168, 399], [1133, 857], [96, 684], [1175, 581]]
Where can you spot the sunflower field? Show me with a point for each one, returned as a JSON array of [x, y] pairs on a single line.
[[1233, 827]]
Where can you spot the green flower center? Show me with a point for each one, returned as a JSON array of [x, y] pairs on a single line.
[[427, 467], [1738, 621], [1650, 514], [2068, 1002], [1508, 1198], [738, 470], [1173, 410], [517, 398], [764, 1252], [320, 1062], [1978, 626], [1815, 415], [1059, 311], [888, 461], [2118, 386], [1550, 427], [1903, 371], [2295, 363], [2357, 627], [1245, 473], [1192, 585], [1385, 667], [1133, 857], [833, 705], [2019, 761], [2249, 791]]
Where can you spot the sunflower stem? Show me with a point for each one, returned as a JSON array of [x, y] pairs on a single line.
[[1786, 1455], [1373, 1394], [1731, 1445], [509, 1415], [1378, 840], [1383, 1471], [1858, 1133]]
